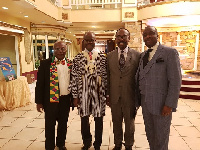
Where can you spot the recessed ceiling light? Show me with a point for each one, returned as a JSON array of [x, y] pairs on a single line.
[[4, 7], [26, 16], [93, 26]]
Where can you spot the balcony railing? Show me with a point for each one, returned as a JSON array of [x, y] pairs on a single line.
[[95, 3], [52, 1], [147, 2]]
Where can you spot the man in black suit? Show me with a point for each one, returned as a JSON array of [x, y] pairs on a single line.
[[52, 95]]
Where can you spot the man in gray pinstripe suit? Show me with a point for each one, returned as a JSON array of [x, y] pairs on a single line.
[[158, 81]]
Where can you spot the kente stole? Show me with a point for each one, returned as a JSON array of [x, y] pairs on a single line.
[[54, 88]]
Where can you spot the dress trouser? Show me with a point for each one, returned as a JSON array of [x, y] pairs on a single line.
[[157, 128], [120, 112], [56, 112], [85, 131]]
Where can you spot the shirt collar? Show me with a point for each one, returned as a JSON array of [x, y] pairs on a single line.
[[125, 50], [56, 59], [155, 46], [89, 51]]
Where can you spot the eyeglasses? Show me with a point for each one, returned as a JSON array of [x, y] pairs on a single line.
[[124, 37], [62, 49], [91, 40]]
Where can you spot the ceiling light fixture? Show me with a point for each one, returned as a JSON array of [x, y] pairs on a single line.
[[26, 16], [4, 7]]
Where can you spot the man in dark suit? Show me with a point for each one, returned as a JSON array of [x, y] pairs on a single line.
[[52, 95], [121, 70], [159, 82]]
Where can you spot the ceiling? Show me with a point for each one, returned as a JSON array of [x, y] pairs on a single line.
[[21, 8]]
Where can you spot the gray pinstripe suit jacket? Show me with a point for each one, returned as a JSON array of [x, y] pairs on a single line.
[[161, 80]]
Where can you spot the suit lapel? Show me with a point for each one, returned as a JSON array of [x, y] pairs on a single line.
[[115, 59]]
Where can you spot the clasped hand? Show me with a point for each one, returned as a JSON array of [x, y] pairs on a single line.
[[166, 110]]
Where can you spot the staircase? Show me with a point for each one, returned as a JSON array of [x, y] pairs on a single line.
[[190, 88]]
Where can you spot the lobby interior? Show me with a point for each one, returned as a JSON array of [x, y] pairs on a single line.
[[28, 29]]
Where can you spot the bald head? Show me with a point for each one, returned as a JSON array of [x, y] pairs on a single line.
[[150, 36]]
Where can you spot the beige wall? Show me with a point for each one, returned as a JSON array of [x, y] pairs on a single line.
[[96, 15], [15, 21], [7, 49]]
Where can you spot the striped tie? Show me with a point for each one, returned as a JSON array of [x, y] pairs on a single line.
[[90, 55]]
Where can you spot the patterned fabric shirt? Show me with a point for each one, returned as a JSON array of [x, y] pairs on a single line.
[[88, 83]]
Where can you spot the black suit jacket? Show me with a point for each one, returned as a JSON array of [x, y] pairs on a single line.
[[42, 90]]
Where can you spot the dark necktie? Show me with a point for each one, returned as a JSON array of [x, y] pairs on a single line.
[[121, 60], [146, 57]]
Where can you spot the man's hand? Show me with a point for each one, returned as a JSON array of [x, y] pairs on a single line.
[[166, 110], [40, 108], [108, 101], [76, 102]]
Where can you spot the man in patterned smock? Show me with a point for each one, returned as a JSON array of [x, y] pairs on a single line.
[[88, 87]]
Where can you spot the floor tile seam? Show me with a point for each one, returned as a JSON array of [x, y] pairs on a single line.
[[179, 135], [175, 125], [31, 143], [177, 131], [10, 122], [19, 131], [16, 116], [5, 143], [186, 143], [192, 124], [197, 128], [27, 140], [17, 134]]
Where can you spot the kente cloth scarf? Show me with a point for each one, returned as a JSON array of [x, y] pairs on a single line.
[[54, 88]]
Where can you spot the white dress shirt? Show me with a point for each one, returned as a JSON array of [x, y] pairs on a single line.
[[63, 77], [155, 47]]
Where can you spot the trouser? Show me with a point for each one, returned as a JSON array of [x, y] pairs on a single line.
[[157, 128], [85, 131], [120, 112], [56, 112]]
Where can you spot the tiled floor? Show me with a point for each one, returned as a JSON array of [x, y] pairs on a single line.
[[23, 129]]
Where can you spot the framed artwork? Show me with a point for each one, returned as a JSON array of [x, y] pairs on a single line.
[[7, 69]]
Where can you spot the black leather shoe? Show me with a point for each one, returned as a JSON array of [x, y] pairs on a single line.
[[128, 148], [117, 148], [62, 148], [85, 147], [97, 148]]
